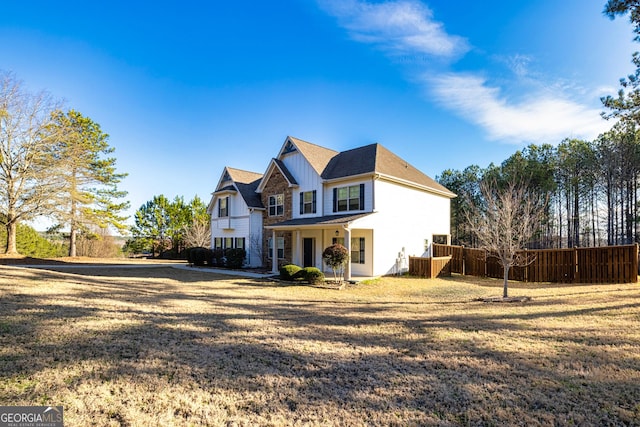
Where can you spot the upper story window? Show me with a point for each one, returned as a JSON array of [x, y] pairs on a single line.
[[223, 207], [308, 202], [349, 198], [276, 205]]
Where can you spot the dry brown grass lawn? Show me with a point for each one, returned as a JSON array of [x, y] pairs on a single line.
[[162, 346]]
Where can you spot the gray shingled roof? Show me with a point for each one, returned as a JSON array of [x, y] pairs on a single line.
[[285, 172], [375, 158], [247, 182], [327, 220], [317, 156]]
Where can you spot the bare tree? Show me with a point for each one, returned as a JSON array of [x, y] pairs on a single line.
[[504, 221], [198, 234], [27, 183], [97, 242], [255, 246]]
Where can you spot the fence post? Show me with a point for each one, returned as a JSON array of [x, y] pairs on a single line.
[[485, 263], [634, 266], [526, 266], [464, 263], [576, 270]]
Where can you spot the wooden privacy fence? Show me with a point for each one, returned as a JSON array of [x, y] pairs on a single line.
[[430, 267], [608, 264]]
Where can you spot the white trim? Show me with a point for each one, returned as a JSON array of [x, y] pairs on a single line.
[[267, 175]]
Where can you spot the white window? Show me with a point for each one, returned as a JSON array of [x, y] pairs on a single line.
[[276, 205], [357, 248], [240, 242], [308, 202], [280, 248], [349, 198], [223, 207]]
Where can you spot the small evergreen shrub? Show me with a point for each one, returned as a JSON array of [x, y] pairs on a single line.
[[313, 275], [234, 258], [217, 258], [197, 256], [289, 271]]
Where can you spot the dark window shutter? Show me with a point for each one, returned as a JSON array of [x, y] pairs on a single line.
[[335, 200], [301, 203], [313, 208], [361, 197]]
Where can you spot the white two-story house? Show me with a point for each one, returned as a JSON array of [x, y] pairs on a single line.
[[236, 214], [376, 204]]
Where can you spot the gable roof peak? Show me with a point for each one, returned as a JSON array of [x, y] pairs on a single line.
[[317, 156], [244, 181], [242, 176]]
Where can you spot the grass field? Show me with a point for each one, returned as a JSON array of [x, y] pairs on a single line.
[[163, 346]]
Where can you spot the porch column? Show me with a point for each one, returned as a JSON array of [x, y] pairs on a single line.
[[274, 252], [297, 256], [347, 244]]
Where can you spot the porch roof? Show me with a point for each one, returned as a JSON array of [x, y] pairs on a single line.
[[318, 222]]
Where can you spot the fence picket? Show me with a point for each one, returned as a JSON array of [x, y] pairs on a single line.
[[609, 264]]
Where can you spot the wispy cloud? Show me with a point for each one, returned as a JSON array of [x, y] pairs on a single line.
[[540, 118], [398, 27], [543, 110]]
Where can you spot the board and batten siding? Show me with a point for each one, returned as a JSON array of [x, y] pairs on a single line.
[[241, 223], [404, 218], [368, 196], [308, 180], [254, 240], [237, 211]]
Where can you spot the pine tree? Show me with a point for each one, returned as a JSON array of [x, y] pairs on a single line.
[[89, 194]]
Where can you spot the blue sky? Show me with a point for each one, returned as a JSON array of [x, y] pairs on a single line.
[[186, 88]]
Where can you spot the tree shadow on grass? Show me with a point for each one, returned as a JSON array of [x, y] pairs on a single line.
[[302, 360]]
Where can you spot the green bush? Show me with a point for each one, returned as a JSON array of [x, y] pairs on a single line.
[[289, 271], [217, 258], [30, 243], [234, 257], [336, 256], [198, 255], [312, 275]]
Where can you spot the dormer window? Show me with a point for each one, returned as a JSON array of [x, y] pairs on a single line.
[[223, 207]]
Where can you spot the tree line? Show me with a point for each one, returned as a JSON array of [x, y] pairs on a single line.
[[56, 164], [589, 189], [166, 227]]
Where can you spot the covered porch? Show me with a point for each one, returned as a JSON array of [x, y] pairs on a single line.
[[310, 236]]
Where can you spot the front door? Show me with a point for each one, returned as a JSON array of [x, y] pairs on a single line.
[[307, 251]]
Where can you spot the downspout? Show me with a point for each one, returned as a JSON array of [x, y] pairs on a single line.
[[373, 191]]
